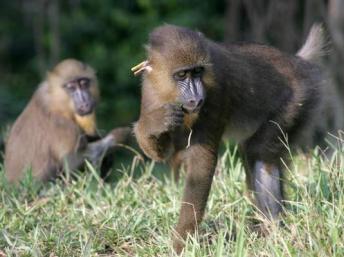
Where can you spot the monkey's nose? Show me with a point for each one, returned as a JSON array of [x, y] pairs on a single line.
[[199, 103], [194, 105], [84, 109]]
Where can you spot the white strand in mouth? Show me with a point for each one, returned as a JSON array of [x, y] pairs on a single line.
[[189, 139]]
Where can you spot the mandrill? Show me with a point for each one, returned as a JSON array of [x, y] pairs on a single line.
[[195, 89], [55, 127]]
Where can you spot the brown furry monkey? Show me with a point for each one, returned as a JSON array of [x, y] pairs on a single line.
[[194, 89], [54, 128]]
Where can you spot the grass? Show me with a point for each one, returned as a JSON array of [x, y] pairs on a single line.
[[135, 216]]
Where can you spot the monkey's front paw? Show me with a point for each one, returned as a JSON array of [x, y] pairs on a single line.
[[178, 245], [174, 116]]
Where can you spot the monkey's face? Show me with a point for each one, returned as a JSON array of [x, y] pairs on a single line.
[[73, 93], [190, 87], [178, 67], [80, 92], [73, 88]]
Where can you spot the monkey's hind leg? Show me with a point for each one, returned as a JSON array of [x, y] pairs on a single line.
[[266, 182]]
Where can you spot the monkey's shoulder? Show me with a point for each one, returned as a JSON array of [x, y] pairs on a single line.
[[254, 49], [37, 126]]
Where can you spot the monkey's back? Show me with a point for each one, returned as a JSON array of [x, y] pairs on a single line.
[[34, 141], [272, 86], [307, 82]]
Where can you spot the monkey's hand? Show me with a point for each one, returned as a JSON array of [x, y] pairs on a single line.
[[153, 129], [174, 117], [161, 120], [96, 151]]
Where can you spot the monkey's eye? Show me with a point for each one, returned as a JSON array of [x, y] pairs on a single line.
[[84, 83], [180, 75], [198, 71], [71, 86]]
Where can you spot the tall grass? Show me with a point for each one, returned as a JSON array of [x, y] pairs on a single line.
[[135, 216]]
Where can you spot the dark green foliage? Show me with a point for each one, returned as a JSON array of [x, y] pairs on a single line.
[[107, 34]]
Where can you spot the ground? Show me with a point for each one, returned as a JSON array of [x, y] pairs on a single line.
[[135, 215]]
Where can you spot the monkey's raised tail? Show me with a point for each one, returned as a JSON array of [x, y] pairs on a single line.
[[316, 44]]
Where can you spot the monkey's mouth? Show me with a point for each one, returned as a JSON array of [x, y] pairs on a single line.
[[85, 108], [84, 111], [192, 106], [190, 110]]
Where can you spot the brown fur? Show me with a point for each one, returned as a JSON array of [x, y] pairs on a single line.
[[49, 131], [253, 92]]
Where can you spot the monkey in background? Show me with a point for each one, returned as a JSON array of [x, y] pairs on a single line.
[[55, 127], [194, 89]]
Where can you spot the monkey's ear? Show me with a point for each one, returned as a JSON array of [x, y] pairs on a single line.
[[141, 67]]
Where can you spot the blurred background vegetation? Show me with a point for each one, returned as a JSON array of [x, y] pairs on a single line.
[[110, 35]]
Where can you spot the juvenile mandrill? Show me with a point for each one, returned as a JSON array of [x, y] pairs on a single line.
[[55, 127], [253, 92]]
